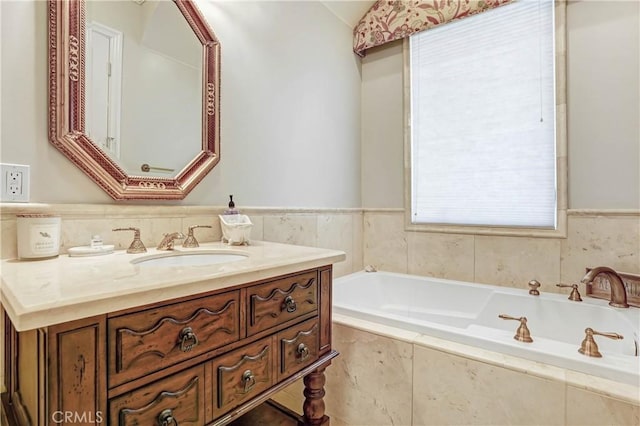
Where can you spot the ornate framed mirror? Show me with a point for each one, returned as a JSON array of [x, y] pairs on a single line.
[[134, 94]]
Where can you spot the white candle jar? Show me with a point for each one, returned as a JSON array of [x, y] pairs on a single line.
[[38, 236]]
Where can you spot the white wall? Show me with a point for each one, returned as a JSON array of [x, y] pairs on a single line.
[[603, 111], [382, 130], [291, 104], [603, 46], [290, 108]]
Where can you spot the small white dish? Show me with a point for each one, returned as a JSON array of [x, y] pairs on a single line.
[[91, 251]]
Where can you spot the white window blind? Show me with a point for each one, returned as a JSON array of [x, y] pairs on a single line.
[[483, 119]]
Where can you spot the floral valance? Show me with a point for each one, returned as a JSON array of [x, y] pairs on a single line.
[[390, 20]]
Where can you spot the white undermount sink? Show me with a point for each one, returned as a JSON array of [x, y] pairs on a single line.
[[189, 258]]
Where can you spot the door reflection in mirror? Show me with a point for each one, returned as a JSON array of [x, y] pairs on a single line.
[[143, 85], [103, 87]]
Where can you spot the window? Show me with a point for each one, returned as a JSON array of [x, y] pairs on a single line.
[[483, 120]]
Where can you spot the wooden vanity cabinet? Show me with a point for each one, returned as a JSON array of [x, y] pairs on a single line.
[[200, 360]]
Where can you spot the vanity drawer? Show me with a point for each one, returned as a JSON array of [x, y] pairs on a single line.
[[298, 347], [279, 301], [241, 375], [179, 397], [153, 339]]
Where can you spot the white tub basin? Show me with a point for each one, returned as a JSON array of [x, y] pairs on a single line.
[[191, 258], [468, 313]]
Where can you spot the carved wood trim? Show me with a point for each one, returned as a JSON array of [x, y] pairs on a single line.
[[227, 393], [276, 291], [191, 385], [325, 294], [171, 320], [66, 48], [291, 359], [309, 332], [256, 299], [254, 402], [77, 366], [313, 406]]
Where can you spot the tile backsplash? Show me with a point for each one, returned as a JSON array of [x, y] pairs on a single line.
[[371, 236], [327, 228]]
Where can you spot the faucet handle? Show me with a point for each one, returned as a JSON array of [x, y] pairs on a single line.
[[136, 245], [522, 333], [533, 287], [575, 294], [190, 241], [589, 346]]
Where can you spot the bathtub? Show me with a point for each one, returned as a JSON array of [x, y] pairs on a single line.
[[467, 313]]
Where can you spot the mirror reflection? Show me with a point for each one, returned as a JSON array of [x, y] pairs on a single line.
[[143, 100]]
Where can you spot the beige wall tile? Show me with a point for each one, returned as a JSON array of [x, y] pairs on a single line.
[[385, 241], [588, 408], [452, 390], [78, 232], [370, 382], [9, 239], [257, 231], [157, 227], [292, 396], [358, 242], [514, 261], [612, 241], [298, 229], [335, 421], [336, 232], [441, 255]]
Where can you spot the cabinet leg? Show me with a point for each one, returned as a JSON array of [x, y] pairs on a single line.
[[313, 403]]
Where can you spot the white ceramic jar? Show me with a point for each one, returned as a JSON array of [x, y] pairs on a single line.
[[38, 236]]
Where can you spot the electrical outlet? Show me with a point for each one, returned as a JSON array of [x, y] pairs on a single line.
[[14, 183]]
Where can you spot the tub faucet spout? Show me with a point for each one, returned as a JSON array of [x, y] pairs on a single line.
[[618, 292]]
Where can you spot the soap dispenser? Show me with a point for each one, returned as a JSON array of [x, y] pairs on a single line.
[[232, 207]]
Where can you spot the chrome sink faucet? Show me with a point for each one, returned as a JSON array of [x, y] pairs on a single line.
[[168, 240], [618, 292]]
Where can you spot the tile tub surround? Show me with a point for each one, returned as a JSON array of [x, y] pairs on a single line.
[[595, 238], [437, 382]]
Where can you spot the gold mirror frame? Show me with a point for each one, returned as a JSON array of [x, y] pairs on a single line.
[[67, 100]]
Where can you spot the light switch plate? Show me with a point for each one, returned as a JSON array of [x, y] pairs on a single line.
[[14, 183]]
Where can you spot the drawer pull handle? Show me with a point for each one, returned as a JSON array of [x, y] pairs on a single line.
[[303, 351], [166, 418], [249, 380], [289, 304], [188, 339]]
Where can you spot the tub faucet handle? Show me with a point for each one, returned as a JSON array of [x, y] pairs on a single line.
[[522, 333], [533, 288], [575, 294], [589, 346]]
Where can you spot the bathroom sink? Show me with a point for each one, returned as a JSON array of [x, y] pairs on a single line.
[[191, 258]]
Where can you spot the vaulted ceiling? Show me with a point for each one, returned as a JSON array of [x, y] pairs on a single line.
[[349, 11]]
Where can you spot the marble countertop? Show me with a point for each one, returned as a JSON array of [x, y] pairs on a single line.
[[40, 293]]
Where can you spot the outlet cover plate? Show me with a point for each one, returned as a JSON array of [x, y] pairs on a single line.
[[14, 183]]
